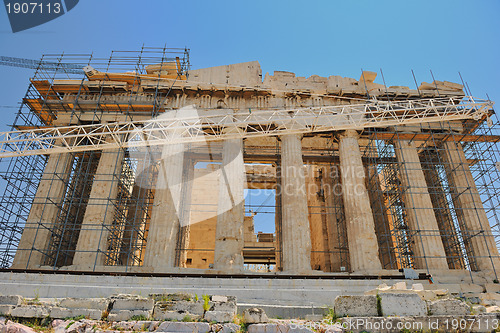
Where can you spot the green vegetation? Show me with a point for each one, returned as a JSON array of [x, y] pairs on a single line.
[[379, 306], [331, 315], [206, 302], [105, 315], [75, 318], [37, 324], [164, 298], [172, 297], [240, 321], [33, 301], [138, 318]]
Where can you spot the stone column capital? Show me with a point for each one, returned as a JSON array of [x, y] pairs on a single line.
[[299, 136], [348, 134]]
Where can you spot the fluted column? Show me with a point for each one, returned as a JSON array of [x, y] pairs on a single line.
[[164, 226], [229, 241], [100, 212], [137, 213], [475, 227], [382, 224], [335, 220], [449, 234], [135, 218], [363, 246], [428, 246], [320, 260], [278, 219], [185, 213], [43, 214], [296, 237]]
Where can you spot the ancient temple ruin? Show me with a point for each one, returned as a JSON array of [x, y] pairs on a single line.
[[139, 164]]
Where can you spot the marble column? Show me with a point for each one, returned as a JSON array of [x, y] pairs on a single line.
[[44, 212], [296, 237], [476, 230], [381, 218], [278, 219], [100, 212], [134, 222], [228, 255], [335, 220], [427, 244], [137, 213], [363, 246], [317, 215], [185, 213], [442, 211], [164, 225]]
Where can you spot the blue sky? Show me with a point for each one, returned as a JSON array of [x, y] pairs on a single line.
[[315, 37]]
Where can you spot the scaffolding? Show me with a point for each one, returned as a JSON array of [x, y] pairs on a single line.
[[45, 104], [396, 237], [131, 88]]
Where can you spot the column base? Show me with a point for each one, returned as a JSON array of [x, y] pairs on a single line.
[[302, 272], [227, 271], [375, 272], [84, 268]]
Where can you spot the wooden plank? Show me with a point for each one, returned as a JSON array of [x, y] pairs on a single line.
[[37, 106], [44, 89]]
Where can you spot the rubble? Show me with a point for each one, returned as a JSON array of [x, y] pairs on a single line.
[[356, 306], [449, 307], [220, 309], [399, 304], [255, 316], [402, 304], [12, 327]]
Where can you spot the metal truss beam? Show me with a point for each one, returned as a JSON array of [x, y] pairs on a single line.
[[191, 125]]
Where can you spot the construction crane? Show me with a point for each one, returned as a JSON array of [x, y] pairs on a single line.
[[46, 65], [197, 126]]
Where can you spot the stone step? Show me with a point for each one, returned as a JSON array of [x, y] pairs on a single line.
[[285, 311]]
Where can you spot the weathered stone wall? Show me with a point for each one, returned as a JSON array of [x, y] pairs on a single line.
[[395, 309]]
